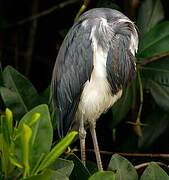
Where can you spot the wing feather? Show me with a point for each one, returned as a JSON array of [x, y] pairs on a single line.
[[72, 69], [120, 60]]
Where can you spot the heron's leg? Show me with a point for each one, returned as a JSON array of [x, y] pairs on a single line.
[[95, 143], [82, 135]]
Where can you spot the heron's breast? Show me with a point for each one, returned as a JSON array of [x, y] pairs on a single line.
[[97, 96]]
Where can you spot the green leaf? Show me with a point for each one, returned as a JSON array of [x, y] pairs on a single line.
[[122, 168], [79, 170], [155, 42], [12, 101], [15, 162], [45, 96], [9, 119], [122, 106], [5, 130], [25, 141], [160, 94], [156, 80], [157, 71], [63, 166], [57, 150], [49, 175], [150, 13], [4, 147], [21, 95], [156, 124], [42, 132], [106, 175], [154, 172], [91, 167]]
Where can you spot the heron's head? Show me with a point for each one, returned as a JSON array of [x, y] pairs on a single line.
[[108, 25]]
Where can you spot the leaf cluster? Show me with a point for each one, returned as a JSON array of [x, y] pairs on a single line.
[[147, 99], [27, 147]]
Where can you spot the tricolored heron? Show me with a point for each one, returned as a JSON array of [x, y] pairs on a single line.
[[94, 64]]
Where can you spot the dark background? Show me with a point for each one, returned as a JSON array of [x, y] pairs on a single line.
[[30, 44]]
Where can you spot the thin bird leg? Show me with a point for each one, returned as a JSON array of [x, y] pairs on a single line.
[[82, 135], [96, 147]]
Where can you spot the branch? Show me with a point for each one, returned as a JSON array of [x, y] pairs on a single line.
[[137, 128], [150, 155], [139, 166], [82, 9], [154, 58], [131, 7], [43, 13], [31, 39]]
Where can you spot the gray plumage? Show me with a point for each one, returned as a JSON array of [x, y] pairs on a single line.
[[95, 62], [71, 71], [74, 63]]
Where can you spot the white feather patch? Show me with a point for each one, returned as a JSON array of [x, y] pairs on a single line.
[[96, 97]]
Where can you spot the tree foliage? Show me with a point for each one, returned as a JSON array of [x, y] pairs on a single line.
[[29, 147]]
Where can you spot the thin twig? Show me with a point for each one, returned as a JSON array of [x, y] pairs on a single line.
[[143, 165], [136, 123], [43, 13], [131, 7], [141, 95], [150, 155], [138, 128], [31, 39], [82, 9], [154, 58]]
